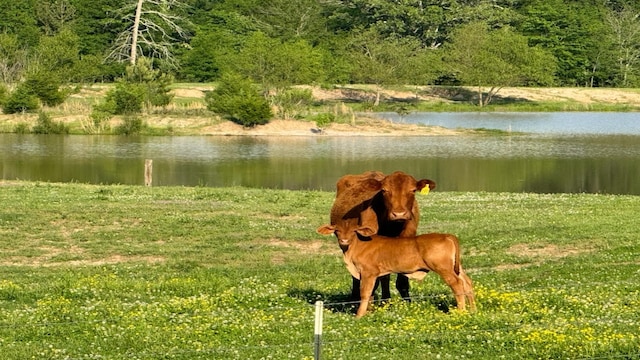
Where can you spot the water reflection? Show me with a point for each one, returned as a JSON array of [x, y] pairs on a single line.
[[531, 163]]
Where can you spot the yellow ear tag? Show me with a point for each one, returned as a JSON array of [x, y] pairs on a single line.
[[425, 190]]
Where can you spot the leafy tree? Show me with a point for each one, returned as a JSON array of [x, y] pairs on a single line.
[[482, 58], [381, 61], [96, 25], [89, 68], [428, 21], [58, 54], [17, 17], [236, 99], [275, 64], [201, 63], [569, 30], [54, 15], [286, 20], [13, 58]]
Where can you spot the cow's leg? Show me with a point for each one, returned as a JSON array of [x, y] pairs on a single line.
[[402, 284], [385, 284], [366, 287], [355, 289]]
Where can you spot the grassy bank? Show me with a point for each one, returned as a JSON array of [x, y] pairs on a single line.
[[125, 272]]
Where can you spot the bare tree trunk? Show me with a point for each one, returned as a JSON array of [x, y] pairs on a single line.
[[134, 33], [480, 102]]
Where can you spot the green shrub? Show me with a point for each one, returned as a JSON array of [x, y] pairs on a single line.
[[291, 102], [324, 119], [46, 126], [46, 87], [20, 100], [236, 99], [125, 98], [129, 126], [21, 128], [4, 94], [158, 91]]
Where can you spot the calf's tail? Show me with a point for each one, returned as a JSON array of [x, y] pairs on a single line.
[[456, 264]]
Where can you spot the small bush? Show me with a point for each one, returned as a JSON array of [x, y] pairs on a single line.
[[21, 128], [129, 126], [125, 98], [158, 91], [46, 126], [236, 99], [291, 102], [4, 94], [20, 100], [46, 87], [322, 120]]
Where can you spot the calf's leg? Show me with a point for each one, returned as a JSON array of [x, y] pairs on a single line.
[[468, 285], [457, 285], [366, 287]]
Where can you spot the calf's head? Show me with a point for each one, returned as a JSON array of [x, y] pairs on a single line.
[[398, 193], [348, 229]]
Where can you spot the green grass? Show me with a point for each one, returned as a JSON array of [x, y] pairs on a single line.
[[125, 272]]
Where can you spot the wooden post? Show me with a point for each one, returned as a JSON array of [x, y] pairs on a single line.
[[148, 172], [317, 335]]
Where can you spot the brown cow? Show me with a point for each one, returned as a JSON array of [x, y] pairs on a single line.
[[369, 256], [393, 199]]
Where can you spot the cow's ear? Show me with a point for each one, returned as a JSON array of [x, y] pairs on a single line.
[[373, 185], [326, 230], [366, 231], [426, 182]]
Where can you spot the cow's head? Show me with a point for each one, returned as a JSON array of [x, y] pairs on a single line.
[[398, 191]]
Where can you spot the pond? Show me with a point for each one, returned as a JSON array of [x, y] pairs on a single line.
[[566, 123], [540, 163]]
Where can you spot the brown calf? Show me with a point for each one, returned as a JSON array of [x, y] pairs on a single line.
[[369, 256]]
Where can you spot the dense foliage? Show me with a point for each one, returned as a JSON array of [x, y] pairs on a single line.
[[278, 43]]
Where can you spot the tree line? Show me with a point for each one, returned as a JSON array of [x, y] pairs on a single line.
[[279, 43], [283, 42]]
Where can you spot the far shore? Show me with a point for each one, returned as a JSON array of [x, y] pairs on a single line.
[[192, 119]]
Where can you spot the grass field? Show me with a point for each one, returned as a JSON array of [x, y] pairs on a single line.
[[126, 272]]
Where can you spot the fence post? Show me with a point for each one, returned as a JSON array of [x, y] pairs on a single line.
[[148, 172], [317, 334]]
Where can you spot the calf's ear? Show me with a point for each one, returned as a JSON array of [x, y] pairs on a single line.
[[366, 231], [326, 230], [426, 182]]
